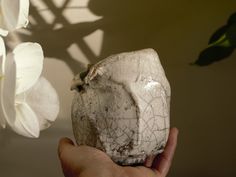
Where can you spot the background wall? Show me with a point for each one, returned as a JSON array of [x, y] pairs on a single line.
[[74, 33]]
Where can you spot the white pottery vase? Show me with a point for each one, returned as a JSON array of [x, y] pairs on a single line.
[[121, 106]]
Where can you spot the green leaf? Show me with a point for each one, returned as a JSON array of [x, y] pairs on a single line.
[[217, 34], [231, 35], [232, 19], [223, 41], [213, 54]]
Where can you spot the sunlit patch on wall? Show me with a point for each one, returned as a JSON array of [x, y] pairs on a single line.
[[78, 3], [75, 51], [48, 16], [79, 14], [38, 3], [94, 41], [59, 3], [32, 20]]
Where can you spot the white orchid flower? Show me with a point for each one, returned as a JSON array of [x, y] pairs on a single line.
[[28, 102], [13, 15]]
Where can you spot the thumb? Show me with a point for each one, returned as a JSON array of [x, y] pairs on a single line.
[[66, 149], [64, 146]]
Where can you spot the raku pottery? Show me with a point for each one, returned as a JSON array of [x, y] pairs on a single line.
[[121, 106]]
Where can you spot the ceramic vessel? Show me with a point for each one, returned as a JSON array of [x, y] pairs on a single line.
[[121, 106]]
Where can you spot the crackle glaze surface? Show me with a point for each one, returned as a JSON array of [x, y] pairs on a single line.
[[122, 106]]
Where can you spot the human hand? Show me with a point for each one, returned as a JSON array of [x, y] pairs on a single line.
[[85, 161]]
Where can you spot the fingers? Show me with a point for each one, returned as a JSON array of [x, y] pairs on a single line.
[[65, 142], [63, 145], [163, 161], [75, 159], [65, 153], [149, 160]]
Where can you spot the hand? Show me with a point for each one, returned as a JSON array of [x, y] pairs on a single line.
[[85, 161]]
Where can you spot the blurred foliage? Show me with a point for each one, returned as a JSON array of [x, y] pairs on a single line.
[[221, 44]]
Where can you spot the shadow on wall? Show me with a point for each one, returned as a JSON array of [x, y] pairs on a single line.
[[55, 42], [127, 25]]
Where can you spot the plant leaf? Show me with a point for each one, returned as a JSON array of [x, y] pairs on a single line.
[[218, 34], [213, 54], [231, 35], [232, 19]]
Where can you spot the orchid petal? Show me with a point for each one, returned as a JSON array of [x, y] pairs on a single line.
[[2, 48], [3, 32], [19, 116], [8, 89], [43, 99], [2, 57], [26, 122], [29, 64], [2, 120], [15, 14]]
